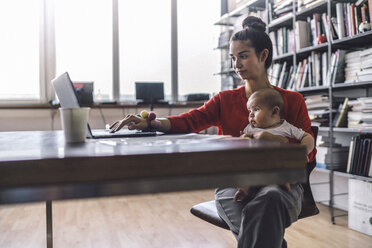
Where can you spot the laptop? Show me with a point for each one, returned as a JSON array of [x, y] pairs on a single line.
[[67, 96]]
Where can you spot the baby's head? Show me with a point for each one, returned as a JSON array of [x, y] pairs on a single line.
[[265, 107]]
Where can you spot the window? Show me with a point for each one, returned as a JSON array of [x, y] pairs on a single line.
[[144, 43], [84, 42], [19, 49], [197, 36], [46, 38]]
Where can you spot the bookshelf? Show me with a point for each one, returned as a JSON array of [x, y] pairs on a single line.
[[322, 14]]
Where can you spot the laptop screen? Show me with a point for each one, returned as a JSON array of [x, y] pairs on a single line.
[[65, 91]]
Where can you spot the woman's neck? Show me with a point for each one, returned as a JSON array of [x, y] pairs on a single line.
[[253, 85]]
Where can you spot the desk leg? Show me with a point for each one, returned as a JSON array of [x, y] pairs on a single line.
[[49, 224]]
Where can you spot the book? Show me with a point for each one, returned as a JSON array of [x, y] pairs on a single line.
[[292, 79], [297, 76], [314, 3], [345, 11], [287, 78], [340, 20], [338, 69], [280, 81], [281, 19], [359, 2], [324, 65], [300, 75], [367, 161], [333, 27], [326, 26], [352, 19], [351, 149], [285, 40], [360, 153], [305, 76], [341, 120], [274, 40], [364, 154], [318, 71], [311, 71], [357, 18], [355, 139], [301, 35], [370, 11], [276, 73]]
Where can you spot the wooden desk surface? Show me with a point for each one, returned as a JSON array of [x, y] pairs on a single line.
[[39, 166]]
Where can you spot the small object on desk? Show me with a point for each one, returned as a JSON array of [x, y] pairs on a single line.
[[74, 123], [152, 116], [144, 113]]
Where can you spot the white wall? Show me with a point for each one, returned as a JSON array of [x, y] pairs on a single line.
[[41, 119]]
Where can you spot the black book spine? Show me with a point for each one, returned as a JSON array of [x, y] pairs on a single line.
[[368, 159], [355, 154]]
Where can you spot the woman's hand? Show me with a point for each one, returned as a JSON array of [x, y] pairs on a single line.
[[264, 135], [132, 121], [241, 194]]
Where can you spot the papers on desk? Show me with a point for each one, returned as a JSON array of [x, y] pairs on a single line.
[[163, 140]]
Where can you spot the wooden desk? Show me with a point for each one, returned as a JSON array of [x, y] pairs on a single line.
[[39, 166]]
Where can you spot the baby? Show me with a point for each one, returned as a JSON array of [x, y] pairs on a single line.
[[265, 107]]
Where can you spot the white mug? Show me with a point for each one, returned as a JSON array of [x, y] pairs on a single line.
[[74, 123]]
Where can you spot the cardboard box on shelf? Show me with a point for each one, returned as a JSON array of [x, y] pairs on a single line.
[[360, 206]]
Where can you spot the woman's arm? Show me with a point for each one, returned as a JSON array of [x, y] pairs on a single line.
[[308, 141], [165, 125], [266, 136], [136, 122]]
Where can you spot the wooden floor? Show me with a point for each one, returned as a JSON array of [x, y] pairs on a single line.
[[161, 220]]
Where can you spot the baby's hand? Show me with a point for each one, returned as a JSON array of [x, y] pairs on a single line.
[[245, 135], [241, 194]]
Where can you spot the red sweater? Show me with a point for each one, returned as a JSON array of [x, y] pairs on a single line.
[[229, 113]]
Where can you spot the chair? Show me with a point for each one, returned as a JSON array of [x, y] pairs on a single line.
[[207, 210]]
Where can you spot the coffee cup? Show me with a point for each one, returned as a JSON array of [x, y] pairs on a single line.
[[74, 123]]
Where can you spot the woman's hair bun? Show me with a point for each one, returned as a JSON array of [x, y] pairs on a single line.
[[254, 23]]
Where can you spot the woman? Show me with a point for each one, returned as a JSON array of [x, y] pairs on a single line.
[[260, 219]]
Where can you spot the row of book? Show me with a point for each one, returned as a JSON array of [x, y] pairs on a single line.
[[310, 72], [334, 158], [283, 41], [354, 113], [278, 10], [319, 109], [305, 4], [350, 19], [358, 66], [315, 70], [353, 18], [359, 159], [359, 113], [313, 31], [282, 76]]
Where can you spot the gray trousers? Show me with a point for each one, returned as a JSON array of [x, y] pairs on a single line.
[[260, 220]]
